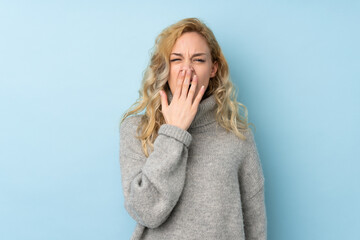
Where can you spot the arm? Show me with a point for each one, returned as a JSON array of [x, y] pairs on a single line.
[[153, 185], [251, 181]]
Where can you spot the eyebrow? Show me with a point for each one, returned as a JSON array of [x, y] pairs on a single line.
[[194, 55]]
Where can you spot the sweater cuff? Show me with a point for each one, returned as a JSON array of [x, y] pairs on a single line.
[[176, 132]]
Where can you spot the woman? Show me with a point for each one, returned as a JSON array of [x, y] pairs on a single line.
[[189, 164]]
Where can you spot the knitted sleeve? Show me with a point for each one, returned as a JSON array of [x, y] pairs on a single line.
[[251, 180], [152, 185]]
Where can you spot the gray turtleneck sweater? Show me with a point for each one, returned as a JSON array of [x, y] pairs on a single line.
[[202, 183]]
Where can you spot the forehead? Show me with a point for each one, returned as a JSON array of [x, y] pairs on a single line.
[[191, 42]]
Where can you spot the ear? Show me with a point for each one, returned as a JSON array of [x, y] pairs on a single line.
[[214, 69]]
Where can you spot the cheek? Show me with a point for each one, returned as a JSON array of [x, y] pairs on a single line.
[[173, 75], [204, 78], [172, 78], [204, 81]]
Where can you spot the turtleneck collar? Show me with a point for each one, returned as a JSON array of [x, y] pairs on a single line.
[[205, 113]]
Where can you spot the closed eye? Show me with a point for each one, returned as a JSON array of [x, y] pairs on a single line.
[[200, 60]]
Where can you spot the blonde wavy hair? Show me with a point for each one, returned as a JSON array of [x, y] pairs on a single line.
[[156, 76]]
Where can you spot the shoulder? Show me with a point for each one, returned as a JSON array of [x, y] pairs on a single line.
[[236, 144], [130, 124], [250, 137], [244, 146], [130, 145], [128, 128], [249, 144]]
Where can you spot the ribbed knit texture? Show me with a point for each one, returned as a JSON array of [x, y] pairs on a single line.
[[202, 183]]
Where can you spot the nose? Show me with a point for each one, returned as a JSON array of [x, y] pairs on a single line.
[[188, 67]]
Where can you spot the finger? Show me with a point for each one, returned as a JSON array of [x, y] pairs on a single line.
[[164, 101], [199, 96], [179, 82], [192, 90], [186, 84]]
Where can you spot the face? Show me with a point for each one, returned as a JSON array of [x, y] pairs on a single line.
[[191, 51]]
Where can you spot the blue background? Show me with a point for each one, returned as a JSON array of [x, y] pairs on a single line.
[[69, 70]]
